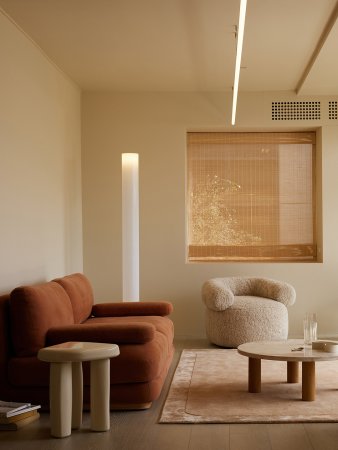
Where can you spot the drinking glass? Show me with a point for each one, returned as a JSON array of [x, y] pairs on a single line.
[[310, 328]]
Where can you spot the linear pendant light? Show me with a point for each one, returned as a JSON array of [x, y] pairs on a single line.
[[240, 37]]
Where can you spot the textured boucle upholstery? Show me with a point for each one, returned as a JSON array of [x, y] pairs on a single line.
[[246, 309], [219, 293]]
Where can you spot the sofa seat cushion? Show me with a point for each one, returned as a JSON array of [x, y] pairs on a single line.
[[140, 363], [80, 292], [110, 333], [28, 371], [120, 309], [162, 325], [35, 309], [135, 364]]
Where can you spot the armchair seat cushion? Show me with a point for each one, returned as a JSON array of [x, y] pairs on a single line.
[[248, 319]]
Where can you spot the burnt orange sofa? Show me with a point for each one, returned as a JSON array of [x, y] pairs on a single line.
[[32, 317]]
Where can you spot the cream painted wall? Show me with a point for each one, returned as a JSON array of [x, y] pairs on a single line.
[[155, 125], [40, 165]]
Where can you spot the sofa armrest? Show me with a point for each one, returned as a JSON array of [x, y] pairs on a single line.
[[126, 333], [132, 309], [216, 295]]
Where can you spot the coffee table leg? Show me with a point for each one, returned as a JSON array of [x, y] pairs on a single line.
[[254, 375], [292, 372], [100, 394], [308, 381]]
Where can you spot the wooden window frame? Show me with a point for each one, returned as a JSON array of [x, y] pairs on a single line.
[[254, 251]]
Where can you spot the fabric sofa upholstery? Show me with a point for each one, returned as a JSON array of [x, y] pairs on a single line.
[[80, 293], [33, 310], [58, 311]]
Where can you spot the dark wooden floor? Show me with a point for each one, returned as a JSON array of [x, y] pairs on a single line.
[[139, 430]]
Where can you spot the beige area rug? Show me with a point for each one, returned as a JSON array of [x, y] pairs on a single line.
[[210, 386]]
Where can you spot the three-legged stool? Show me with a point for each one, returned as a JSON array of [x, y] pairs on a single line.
[[66, 384]]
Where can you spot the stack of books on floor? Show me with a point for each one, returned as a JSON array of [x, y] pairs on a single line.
[[16, 415]]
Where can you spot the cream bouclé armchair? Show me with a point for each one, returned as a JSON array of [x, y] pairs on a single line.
[[246, 309]]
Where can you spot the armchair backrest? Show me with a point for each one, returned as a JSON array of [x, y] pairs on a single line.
[[219, 293]]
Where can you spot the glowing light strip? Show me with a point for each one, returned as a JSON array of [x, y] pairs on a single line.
[[240, 37], [130, 227]]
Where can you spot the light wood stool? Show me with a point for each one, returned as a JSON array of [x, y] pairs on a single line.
[[66, 384]]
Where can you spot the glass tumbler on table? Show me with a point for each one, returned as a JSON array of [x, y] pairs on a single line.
[[310, 328]]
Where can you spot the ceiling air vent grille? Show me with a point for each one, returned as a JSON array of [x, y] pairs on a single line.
[[296, 110], [333, 110]]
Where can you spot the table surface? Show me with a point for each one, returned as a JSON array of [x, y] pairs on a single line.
[[288, 350], [78, 351]]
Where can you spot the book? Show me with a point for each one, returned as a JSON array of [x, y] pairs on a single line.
[[18, 416], [10, 407], [13, 411], [13, 426]]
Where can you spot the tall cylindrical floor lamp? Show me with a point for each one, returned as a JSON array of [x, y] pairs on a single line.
[[130, 227]]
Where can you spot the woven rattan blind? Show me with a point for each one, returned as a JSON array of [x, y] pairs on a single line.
[[251, 196]]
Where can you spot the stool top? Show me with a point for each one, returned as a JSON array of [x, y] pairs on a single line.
[[78, 351]]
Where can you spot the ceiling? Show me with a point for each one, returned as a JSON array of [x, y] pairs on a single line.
[[186, 45]]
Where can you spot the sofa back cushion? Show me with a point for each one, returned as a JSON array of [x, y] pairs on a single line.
[[35, 309], [80, 292]]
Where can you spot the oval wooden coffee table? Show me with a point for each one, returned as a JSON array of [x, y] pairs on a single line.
[[292, 351]]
